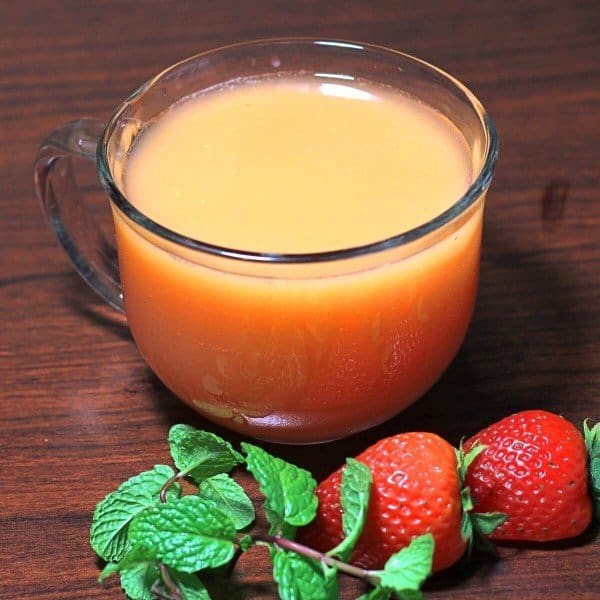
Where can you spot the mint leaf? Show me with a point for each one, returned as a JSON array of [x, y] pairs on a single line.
[[380, 593], [377, 593], [108, 533], [190, 586], [288, 489], [138, 574], [354, 497], [228, 496], [138, 578], [109, 569], [201, 454], [299, 578], [246, 542], [407, 569], [410, 595], [134, 555], [187, 534]]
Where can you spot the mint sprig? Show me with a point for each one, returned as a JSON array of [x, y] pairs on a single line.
[[162, 544]]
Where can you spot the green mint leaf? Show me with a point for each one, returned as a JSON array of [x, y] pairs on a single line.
[[134, 555], [187, 534], [246, 542], [189, 585], [592, 444], [228, 496], [138, 574], [410, 595], [299, 578], [380, 593], [138, 578], [108, 533], [355, 490], [377, 593], [288, 489], [408, 569], [109, 569], [201, 454]]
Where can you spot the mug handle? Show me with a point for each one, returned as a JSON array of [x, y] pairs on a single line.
[[92, 254]]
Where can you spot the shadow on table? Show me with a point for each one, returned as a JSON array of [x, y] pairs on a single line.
[[86, 303]]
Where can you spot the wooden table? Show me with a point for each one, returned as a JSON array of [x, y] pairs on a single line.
[[79, 410]]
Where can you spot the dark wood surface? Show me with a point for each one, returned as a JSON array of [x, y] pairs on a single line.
[[80, 412]]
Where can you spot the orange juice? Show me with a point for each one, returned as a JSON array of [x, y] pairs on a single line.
[[298, 352]]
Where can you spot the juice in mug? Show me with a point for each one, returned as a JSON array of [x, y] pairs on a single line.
[[298, 227], [298, 167]]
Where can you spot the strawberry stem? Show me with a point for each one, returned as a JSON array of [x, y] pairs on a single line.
[[286, 544]]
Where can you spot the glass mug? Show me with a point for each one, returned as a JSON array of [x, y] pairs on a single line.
[[291, 348]]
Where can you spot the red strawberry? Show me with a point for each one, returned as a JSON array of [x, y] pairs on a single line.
[[416, 490], [533, 469]]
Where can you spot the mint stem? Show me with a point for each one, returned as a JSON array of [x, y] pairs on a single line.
[[164, 572], [166, 577], [157, 593], [302, 550], [168, 483]]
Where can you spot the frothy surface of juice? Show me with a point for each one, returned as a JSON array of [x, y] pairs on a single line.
[[297, 166]]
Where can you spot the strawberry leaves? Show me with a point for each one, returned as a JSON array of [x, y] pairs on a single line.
[[592, 444], [474, 527]]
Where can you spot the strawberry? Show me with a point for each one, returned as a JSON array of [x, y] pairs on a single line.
[[416, 490], [534, 469]]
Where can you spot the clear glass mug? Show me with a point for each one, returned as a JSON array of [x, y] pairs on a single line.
[[297, 348]]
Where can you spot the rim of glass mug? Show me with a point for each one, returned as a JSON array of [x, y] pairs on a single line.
[[475, 190]]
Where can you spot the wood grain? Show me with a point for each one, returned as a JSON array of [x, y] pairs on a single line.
[[79, 410]]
